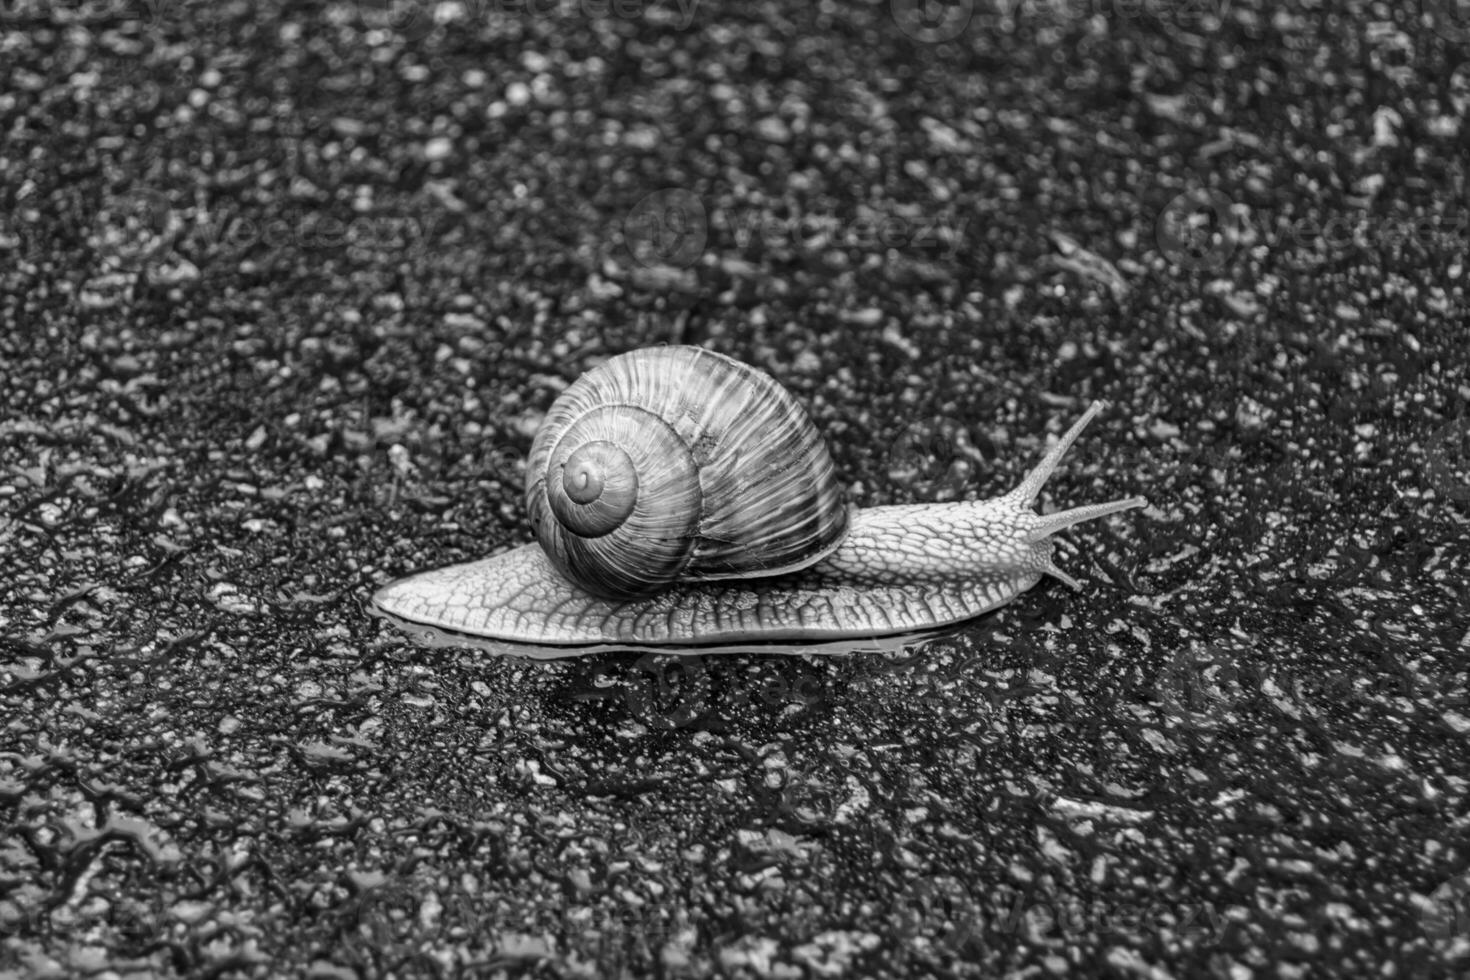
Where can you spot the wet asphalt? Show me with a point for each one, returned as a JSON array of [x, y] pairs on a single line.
[[286, 288]]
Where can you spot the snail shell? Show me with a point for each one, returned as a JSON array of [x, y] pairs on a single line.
[[680, 464]]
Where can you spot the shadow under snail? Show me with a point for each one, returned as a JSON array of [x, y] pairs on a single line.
[[684, 502]]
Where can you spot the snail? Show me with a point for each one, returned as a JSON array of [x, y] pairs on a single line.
[[684, 502]]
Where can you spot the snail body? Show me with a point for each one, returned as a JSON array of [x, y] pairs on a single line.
[[726, 573]]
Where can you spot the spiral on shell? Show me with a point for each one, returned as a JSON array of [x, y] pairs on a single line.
[[677, 463]]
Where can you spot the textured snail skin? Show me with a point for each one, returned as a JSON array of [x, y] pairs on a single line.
[[899, 569]]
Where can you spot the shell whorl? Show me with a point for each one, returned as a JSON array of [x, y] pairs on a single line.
[[677, 463]]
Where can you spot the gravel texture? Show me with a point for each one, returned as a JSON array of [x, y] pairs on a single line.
[[285, 288]]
